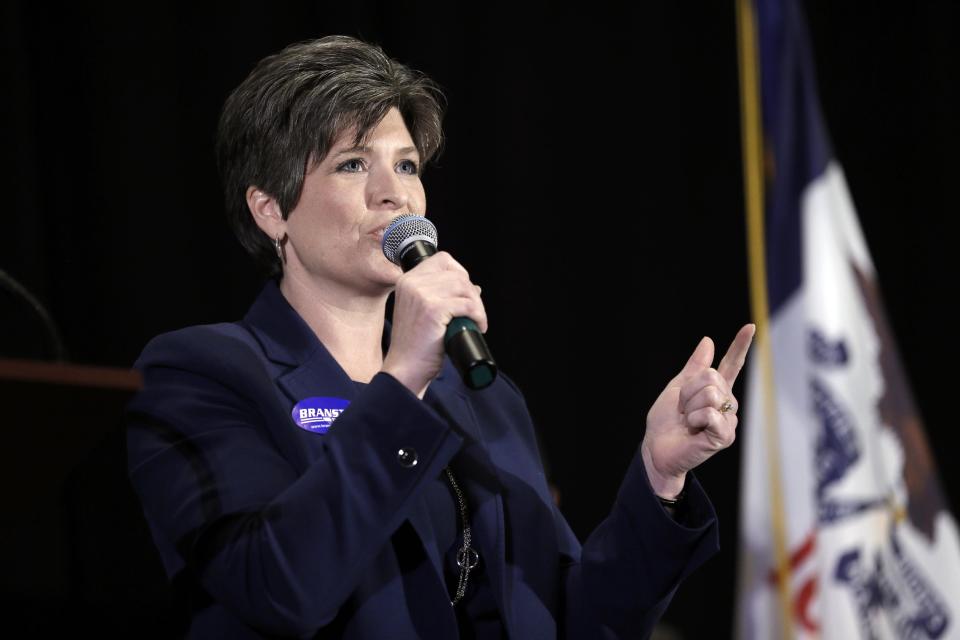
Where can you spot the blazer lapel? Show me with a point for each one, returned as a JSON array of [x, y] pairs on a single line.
[[301, 366]]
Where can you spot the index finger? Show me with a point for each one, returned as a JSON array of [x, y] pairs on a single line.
[[736, 355]]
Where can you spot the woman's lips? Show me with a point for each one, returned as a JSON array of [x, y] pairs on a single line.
[[378, 232]]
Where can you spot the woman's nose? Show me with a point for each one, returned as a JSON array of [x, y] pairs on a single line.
[[387, 189]]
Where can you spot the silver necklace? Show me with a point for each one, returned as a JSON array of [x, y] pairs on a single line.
[[467, 556]]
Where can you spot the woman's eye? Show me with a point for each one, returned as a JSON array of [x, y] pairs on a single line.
[[352, 166], [409, 167]]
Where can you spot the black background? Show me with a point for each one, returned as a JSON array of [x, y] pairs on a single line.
[[591, 183]]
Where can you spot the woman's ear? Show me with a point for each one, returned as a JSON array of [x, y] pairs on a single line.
[[266, 212]]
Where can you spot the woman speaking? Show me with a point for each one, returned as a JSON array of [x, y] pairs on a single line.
[[314, 470]]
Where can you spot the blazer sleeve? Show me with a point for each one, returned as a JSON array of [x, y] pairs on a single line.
[[619, 583], [280, 546]]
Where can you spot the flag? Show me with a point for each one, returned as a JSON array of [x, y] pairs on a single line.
[[844, 529]]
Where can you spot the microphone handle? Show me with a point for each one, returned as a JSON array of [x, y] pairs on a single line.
[[463, 342]]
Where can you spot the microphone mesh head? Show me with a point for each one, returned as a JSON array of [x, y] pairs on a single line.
[[406, 229]]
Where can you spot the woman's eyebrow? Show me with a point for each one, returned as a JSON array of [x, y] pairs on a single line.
[[364, 149]]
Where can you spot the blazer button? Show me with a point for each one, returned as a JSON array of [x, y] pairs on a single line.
[[407, 457]]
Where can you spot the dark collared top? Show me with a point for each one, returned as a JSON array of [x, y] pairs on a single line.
[[290, 533]]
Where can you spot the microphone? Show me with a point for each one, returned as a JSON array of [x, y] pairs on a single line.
[[410, 239]]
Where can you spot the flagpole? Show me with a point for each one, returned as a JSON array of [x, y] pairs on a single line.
[[753, 178]]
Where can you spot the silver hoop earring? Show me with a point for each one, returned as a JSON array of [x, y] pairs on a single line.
[[277, 244]]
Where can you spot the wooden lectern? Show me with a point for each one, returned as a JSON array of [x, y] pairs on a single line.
[[77, 554]]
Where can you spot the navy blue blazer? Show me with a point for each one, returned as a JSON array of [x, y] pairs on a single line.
[[292, 533]]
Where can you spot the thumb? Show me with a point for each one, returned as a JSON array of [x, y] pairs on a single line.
[[701, 358]]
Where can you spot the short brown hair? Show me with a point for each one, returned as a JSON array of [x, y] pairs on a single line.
[[292, 107]]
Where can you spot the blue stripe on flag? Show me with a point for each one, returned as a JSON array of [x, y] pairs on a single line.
[[794, 135]]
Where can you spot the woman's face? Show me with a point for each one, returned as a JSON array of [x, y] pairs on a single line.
[[348, 199]]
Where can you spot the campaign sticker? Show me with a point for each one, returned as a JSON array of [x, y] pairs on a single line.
[[317, 414]]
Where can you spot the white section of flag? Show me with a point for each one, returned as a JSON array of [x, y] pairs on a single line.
[[869, 572]]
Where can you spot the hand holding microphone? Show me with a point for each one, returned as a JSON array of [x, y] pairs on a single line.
[[436, 299]]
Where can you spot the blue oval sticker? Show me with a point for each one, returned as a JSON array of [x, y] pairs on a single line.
[[317, 414]]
